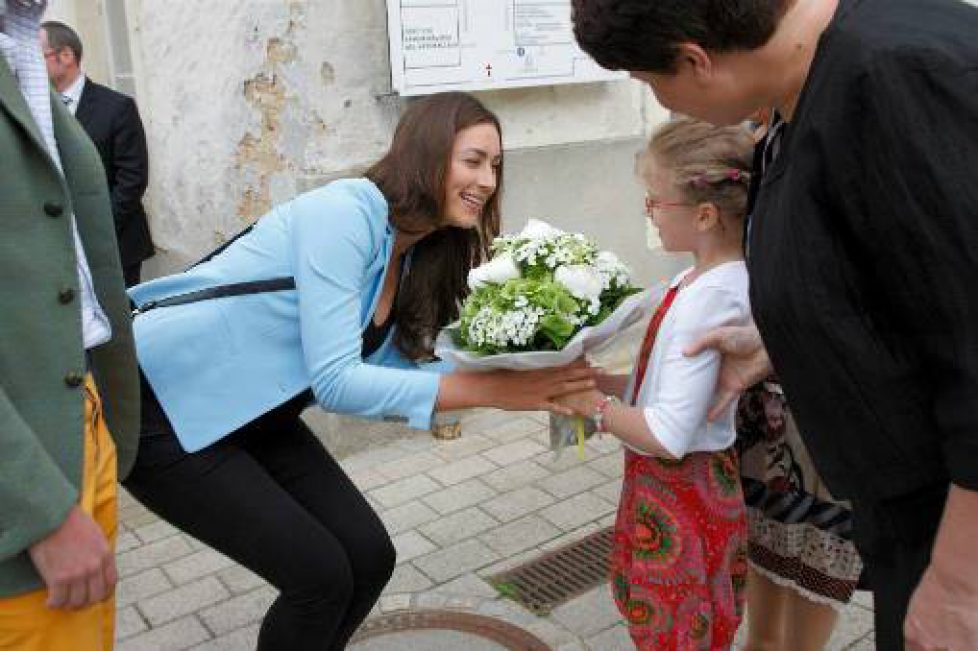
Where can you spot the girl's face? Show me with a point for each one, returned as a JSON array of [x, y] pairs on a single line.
[[672, 215], [472, 175]]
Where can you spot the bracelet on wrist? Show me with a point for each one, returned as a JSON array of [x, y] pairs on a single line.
[[601, 410]]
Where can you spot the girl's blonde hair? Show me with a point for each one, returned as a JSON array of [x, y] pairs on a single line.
[[710, 164]]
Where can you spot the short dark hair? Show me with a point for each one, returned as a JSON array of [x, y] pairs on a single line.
[[644, 35], [412, 177], [60, 36]]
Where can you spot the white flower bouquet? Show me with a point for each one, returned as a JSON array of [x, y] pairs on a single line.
[[546, 298]]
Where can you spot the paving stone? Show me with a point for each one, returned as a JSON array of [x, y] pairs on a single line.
[[589, 614], [183, 600], [367, 479], [403, 491], [151, 555], [239, 579], [461, 470], [156, 531], [611, 465], [523, 534], [610, 492], [570, 537], [368, 459], [481, 421], [179, 634], [393, 603], [615, 638], [463, 447], [571, 482], [141, 586], [604, 444], [243, 639], [853, 625], [577, 511], [128, 622], [516, 475], [469, 585], [457, 527], [863, 599], [867, 643], [514, 430], [456, 560], [411, 544], [407, 516], [567, 459], [125, 541], [239, 611], [414, 464], [407, 578], [140, 518], [196, 565], [513, 452], [518, 503], [554, 636], [449, 500]]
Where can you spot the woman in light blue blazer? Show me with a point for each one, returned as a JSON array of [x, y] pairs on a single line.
[[379, 265]]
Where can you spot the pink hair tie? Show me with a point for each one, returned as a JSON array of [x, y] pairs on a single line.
[[734, 175]]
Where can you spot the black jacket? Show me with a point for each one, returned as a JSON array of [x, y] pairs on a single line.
[[112, 122]]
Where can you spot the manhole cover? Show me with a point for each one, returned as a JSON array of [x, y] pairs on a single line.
[[559, 575], [436, 630]]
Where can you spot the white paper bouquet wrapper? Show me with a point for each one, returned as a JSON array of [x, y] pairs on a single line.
[[632, 310], [564, 430]]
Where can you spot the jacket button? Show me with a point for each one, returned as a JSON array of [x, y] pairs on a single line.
[[53, 209], [74, 379], [66, 295]]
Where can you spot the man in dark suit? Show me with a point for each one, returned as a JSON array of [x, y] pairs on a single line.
[[112, 122]]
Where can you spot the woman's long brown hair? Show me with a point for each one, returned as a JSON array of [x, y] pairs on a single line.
[[412, 177]]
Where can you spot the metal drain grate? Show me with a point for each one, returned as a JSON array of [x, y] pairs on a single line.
[[560, 575]]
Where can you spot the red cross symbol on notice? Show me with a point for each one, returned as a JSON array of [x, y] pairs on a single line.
[[489, 70]]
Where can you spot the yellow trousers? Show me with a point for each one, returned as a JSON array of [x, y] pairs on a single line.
[[26, 623]]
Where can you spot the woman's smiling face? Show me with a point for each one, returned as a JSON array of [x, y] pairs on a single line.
[[473, 173]]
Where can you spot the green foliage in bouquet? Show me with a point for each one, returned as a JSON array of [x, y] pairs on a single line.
[[538, 291]]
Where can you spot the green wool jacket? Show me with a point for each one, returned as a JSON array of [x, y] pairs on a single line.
[[41, 356]]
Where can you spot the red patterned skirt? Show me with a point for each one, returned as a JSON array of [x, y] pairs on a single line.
[[679, 563]]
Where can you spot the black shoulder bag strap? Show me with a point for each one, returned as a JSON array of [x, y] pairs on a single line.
[[220, 291]]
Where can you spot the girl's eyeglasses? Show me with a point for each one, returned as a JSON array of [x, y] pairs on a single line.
[[651, 204]]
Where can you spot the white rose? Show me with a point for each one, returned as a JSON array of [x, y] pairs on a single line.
[[581, 280], [498, 270], [538, 230]]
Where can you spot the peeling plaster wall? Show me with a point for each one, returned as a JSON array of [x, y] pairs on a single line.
[[248, 102]]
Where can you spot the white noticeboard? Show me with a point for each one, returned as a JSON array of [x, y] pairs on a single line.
[[439, 45]]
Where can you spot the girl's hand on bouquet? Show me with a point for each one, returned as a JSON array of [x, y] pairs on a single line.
[[581, 403], [744, 362], [538, 390]]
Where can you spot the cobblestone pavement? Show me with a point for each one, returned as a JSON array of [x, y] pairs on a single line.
[[458, 511]]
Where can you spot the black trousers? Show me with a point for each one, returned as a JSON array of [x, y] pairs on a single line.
[[895, 539], [272, 498]]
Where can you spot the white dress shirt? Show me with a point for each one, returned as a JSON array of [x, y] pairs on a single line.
[[72, 94], [19, 25], [678, 391]]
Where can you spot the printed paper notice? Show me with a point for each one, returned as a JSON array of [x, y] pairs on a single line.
[[438, 45]]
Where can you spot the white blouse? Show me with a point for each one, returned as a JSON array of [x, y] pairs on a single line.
[[678, 391]]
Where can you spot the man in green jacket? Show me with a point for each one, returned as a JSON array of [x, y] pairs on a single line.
[[67, 366]]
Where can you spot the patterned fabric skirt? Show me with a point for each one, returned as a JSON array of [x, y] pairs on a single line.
[[799, 537], [679, 562]]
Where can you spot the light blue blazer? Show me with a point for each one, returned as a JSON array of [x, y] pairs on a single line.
[[218, 364]]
